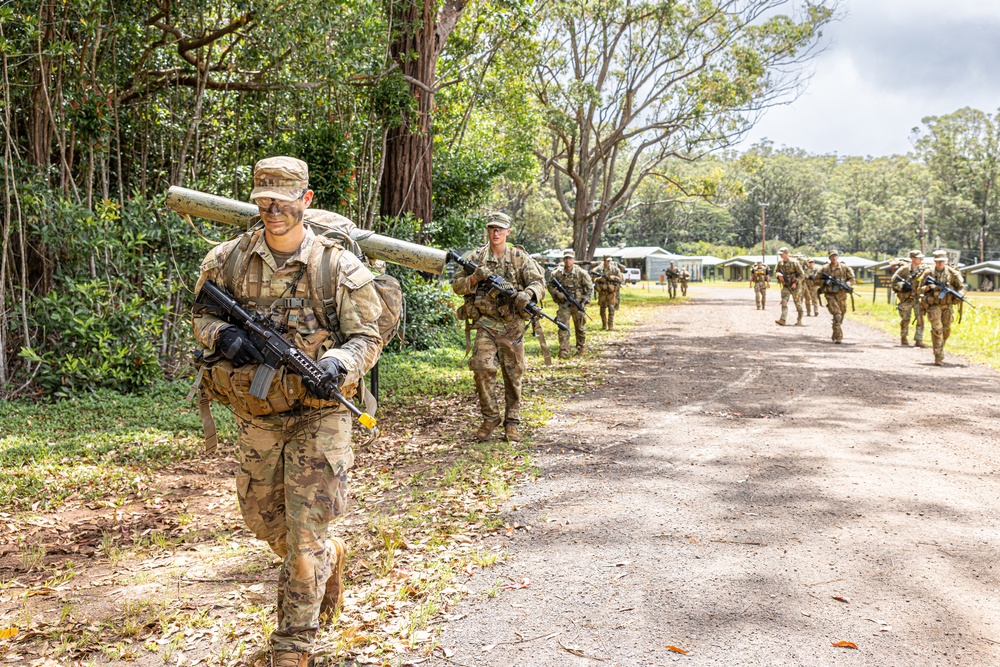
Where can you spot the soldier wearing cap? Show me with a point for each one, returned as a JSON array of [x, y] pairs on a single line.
[[498, 322], [905, 282], [608, 279], [937, 306], [789, 273], [673, 275], [577, 282], [810, 289], [836, 298], [294, 449], [685, 277], [760, 279]]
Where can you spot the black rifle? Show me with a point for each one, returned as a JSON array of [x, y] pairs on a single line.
[[944, 289], [837, 283], [500, 289], [276, 351], [569, 297]]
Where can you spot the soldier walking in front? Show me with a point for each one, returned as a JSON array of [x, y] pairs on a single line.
[[836, 296], [789, 273], [673, 276], [577, 282], [499, 323], [760, 279], [938, 305], [294, 449], [608, 279], [905, 283], [685, 277]]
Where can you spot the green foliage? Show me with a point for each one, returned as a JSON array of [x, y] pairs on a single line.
[[430, 312], [96, 335]]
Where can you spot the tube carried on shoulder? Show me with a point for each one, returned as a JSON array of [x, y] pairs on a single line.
[[375, 246]]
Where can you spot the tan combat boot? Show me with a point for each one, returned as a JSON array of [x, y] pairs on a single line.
[[512, 433], [333, 598], [919, 343], [580, 349], [604, 320], [290, 659], [903, 342], [798, 322], [781, 322], [486, 429]]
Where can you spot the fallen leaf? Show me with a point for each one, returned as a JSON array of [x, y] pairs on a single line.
[[840, 598], [514, 585], [7, 633], [675, 649], [845, 645]]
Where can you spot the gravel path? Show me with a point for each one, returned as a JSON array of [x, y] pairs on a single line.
[[752, 494]]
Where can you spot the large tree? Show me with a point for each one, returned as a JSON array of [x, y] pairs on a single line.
[[628, 84], [962, 151]]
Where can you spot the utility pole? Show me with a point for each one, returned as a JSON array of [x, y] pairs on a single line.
[[763, 236], [923, 231]]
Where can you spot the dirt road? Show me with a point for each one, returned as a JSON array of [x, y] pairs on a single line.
[[753, 494]]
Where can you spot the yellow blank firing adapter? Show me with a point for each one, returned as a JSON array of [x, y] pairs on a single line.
[[367, 421]]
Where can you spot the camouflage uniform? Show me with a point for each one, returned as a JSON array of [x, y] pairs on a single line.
[[836, 298], [908, 302], [577, 282], [673, 275], [608, 284], [294, 462], [685, 277], [760, 278], [939, 310], [499, 343], [810, 290], [791, 284]]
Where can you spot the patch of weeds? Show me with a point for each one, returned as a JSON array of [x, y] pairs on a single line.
[[32, 556], [109, 547], [485, 559], [495, 588]]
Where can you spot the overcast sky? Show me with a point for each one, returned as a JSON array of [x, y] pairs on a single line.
[[887, 65]]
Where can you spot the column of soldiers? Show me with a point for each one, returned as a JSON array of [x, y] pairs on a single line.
[[673, 277], [917, 289], [919, 293]]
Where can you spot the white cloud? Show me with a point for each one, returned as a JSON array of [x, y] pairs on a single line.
[[889, 64]]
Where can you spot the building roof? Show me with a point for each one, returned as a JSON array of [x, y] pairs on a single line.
[[992, 266], [628, 252]]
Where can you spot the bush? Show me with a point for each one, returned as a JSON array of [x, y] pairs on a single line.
[[429, 318]]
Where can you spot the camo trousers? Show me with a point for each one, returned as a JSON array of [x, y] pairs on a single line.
[[291, 484], [565, 314], [837, 305], [940, 317], [494, 351], [796, 296], [810, 295], [905, 309], [760, 293], [672, 287]]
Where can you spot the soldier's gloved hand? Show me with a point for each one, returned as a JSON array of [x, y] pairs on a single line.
[[481, 273], [234, 344], [334, 369], [523, 300]]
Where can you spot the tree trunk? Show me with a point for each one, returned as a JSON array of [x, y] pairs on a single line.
[[406, 184]]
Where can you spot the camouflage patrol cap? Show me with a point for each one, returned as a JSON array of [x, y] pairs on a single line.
[[940, 255], [916, 253], [607, 257], [569, 253], [282, 178], [782, 251], [833, 253], [498, 219]]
